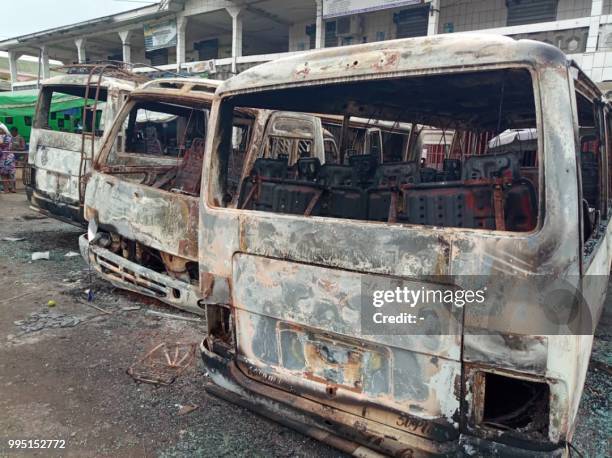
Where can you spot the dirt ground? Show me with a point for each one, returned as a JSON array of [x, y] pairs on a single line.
[[63, 368]]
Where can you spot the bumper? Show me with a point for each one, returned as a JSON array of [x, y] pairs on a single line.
[[68, 213], [352, 434], [128, 275]]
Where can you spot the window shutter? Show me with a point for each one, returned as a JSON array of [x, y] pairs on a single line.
[[412, 22], [531, 11]]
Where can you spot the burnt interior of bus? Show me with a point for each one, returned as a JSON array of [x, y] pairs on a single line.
[[591, 125], [161, 145], [468, 186]]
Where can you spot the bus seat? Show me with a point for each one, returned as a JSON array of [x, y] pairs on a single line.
[[491, 166], [189, 173]]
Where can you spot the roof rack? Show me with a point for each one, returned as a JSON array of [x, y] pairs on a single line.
[[109, 69], [123, 70]]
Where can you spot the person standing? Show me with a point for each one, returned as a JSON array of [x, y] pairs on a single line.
[[7, 171]]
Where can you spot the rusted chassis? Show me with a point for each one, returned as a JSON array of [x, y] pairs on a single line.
[[350, 433]]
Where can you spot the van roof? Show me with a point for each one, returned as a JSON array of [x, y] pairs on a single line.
[[387, 58], [112, 76], [194, 87]]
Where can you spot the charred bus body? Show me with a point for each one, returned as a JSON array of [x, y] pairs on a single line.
[[143, 198], [62, 150], [285, 260]]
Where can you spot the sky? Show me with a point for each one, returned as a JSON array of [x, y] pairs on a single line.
[[20, 17]]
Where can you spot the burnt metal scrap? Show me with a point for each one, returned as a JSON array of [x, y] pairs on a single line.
[[164, 363], [46, 319]]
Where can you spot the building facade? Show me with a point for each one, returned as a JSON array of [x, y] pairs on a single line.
[[220, 38]]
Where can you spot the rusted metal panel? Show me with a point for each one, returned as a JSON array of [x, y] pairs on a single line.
[[276, 334], [56, 157], [159, 219]]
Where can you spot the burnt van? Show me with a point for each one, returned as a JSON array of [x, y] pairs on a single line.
[[72, 112], [142, 200], [384, 313]]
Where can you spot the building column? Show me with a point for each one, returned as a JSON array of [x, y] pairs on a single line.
[[320, 26], [44, 62], [126, 45], [434, 17], [80, 44], [234, 12], [13, 58], [596, 10], [181, 29]]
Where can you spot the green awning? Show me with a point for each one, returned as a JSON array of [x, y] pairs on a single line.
[[23, 103]]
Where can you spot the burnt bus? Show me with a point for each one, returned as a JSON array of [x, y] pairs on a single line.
[[142, 199], [63, 145], [299, 271]]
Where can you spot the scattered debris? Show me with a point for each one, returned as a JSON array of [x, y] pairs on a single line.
[[174, 317], [163, 363], [131, 308], [51, 303], [99, 308], [31, 217], [13, 239], [40, 255], [71, 254], [46, 319], [184, 410]]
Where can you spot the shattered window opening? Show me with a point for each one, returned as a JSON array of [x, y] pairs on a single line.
[[163, 129], [60, 108], [469, 184], [161, 145], [591, 157]]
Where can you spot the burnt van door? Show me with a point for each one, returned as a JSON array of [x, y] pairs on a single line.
[[301, 325]]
